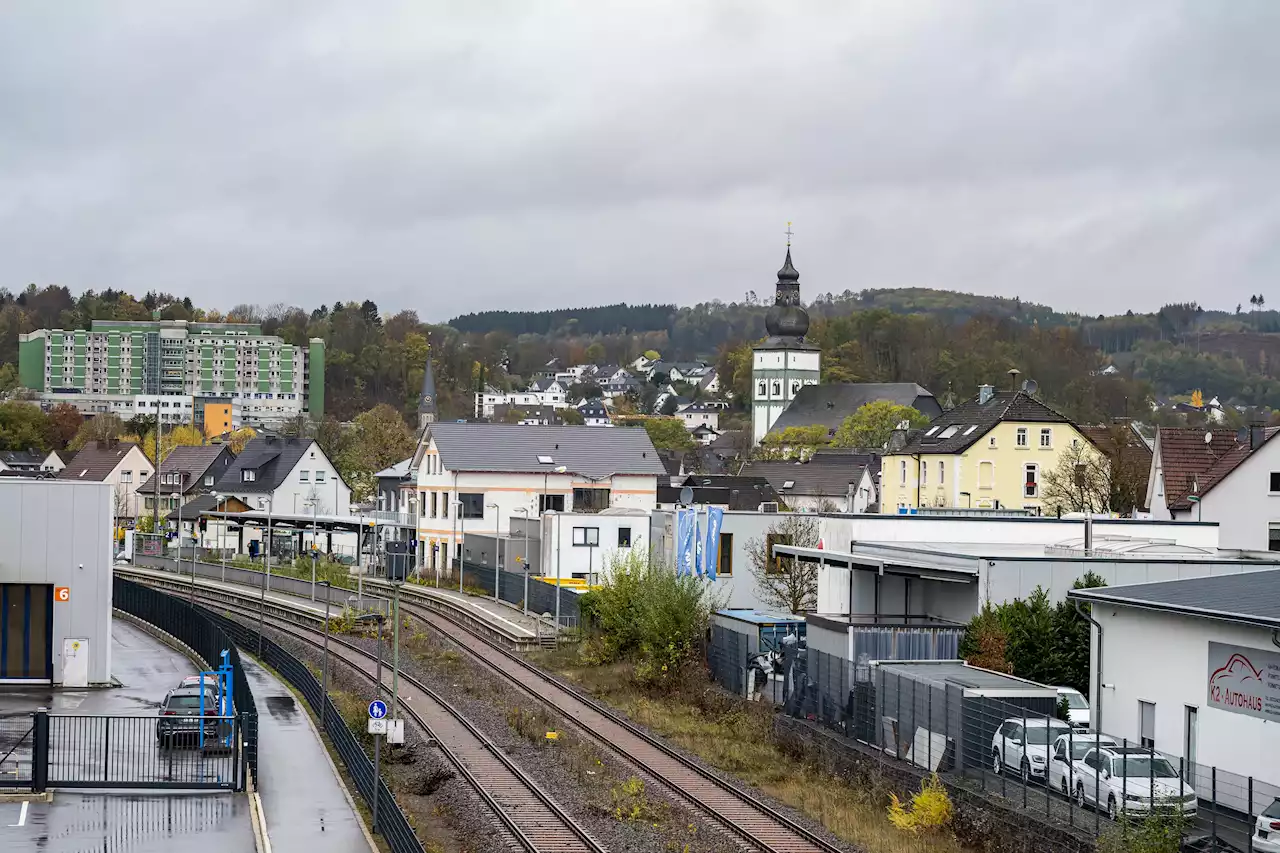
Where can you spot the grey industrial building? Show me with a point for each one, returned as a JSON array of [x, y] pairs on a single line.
[[55, 582]]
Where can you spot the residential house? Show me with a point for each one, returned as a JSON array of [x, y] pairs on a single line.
[[476, 477], [677, 371], [703, 434], [697, 414], [534, 415], [30, 462], [595, 413], [293, 474], [543, 392], [620, 387], [829, 405], [186, 473], [1223, 476], [990, 452], [120, 463], [1128, 453], [823, 482], [396, 491]]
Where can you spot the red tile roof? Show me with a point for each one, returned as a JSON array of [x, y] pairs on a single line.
[[1190, 463]]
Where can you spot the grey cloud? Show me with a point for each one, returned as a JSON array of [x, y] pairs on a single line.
[[451, 157]]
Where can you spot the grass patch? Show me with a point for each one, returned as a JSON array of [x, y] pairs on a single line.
[[736, 736]]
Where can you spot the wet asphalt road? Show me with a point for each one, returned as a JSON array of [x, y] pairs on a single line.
[[123, 823], [306, 810]]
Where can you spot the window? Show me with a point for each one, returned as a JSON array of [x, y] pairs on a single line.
[[1191, 741], [1031, 484], [777, 388], [991, 442], [986, 475], [924, 473], [724, 565], [1147, 724], [319, 475], [948, 432], [1275, 481], [902, 472], [434, 499], [761, 389], [126, 476], [472, 504], [931, 430], [1046, 437], [776, 561], [586, 536], [1022, 437], [550, 503], [624, 537], [444, 504], [1273, 538], [208, 479], [248, 475], [590, 500], [304, 476], [942, 473]]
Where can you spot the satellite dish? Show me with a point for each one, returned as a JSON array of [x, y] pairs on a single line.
[[1030, 386], [686, 496], [1208, 438]]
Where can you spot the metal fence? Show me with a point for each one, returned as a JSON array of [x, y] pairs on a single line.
[[202, 635], [1001, 747], [144, 752], [16, 739], [542, 596], [392, 823]]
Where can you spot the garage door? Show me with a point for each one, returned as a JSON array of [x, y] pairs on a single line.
[[26, 631]]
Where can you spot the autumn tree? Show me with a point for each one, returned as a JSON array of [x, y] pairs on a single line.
[[872, 423], [98, 428], [239, 438], [785, 581], [572, 417], [379, 439], [65, 421], [23, 427], [667, 433], [792, 442]]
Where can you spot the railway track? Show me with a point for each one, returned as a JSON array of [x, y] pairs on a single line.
[[535, 822], [756, 824]]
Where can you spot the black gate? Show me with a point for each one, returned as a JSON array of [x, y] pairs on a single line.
[[16, 737], [187, 753]]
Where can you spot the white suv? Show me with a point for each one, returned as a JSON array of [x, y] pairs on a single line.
[[1266, 832], [1023, 745], [1131, 779], [1064, 758]]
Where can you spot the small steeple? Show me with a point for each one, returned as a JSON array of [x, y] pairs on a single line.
[[427, 399]]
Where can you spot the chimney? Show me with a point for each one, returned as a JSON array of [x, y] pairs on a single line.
[[985, 393], [1014, 373], [897, 439], [1257, 435]]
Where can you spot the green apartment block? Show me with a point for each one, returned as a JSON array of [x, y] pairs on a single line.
[[103, 369]]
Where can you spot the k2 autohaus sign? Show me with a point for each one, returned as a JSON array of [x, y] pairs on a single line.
[[1244, 681]]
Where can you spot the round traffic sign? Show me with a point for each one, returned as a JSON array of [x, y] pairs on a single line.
[[377, 709]]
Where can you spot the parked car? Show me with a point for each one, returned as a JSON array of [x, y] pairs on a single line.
[[209, 681], [1132, 779], [180, 716], [1077, 707], [1266, 832], [1066, 754], [1023, 745]]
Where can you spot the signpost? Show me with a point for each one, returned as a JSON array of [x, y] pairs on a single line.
[[377, 728]]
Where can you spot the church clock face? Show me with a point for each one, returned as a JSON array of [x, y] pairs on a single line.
[[426, 400]]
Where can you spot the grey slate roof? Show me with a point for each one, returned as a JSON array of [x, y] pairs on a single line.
[[515, 448], [828, 475], [195, 461], [1003, 406], [31, 459], [1251, 597], [97, 459], [271, 458], [829, 405], [398, 471]]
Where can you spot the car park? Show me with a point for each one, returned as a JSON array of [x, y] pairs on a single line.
[[180, 719], [1023, 745], [1078, 711], [1133, 780], [1067, 752], [1266, 830]]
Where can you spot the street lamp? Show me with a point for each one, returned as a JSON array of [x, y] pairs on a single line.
[[497, 557], [314, 536], [462, 538], [378, 619], [266, 576], [525, 511], [324, 669], [222, 534]]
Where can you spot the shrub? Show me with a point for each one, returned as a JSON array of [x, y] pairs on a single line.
[[1155, 833], [930, 808]]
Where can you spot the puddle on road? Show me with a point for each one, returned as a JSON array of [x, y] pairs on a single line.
[[283, 707]]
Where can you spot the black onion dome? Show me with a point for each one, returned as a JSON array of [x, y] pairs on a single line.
[[787, 317], [788, 272]]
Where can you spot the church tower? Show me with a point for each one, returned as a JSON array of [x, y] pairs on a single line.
[[427, 399], [784, 362]]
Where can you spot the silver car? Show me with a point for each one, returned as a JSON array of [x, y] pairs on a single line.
[[1023, 745], [1068, 750]]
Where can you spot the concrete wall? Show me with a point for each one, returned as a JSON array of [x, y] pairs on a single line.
[[58, 533], [1163, 658]]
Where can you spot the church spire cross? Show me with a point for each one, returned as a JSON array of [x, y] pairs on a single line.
[[788, 233]]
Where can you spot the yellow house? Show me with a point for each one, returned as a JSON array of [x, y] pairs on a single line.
[[990, 452]]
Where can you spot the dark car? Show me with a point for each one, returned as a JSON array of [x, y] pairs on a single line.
[[180, 716]]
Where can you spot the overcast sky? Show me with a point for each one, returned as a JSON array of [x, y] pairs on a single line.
[[462, 156]]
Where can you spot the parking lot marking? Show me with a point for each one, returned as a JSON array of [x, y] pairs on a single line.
[[22, 815]]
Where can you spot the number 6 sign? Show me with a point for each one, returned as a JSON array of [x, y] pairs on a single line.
[[62, 593]]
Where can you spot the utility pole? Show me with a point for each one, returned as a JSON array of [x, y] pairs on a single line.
[[525, 510], [324, 670], [155, 508]]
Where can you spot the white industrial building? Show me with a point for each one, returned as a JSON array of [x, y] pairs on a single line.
[[55, 581], [1192, 668], [582, 545]]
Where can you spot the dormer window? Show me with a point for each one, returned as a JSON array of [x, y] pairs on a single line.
[[248, 475]]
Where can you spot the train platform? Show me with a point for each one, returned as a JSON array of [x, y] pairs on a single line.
[[73, 821], [318, 816]]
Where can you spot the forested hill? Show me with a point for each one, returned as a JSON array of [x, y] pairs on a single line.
[[602, 320]]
